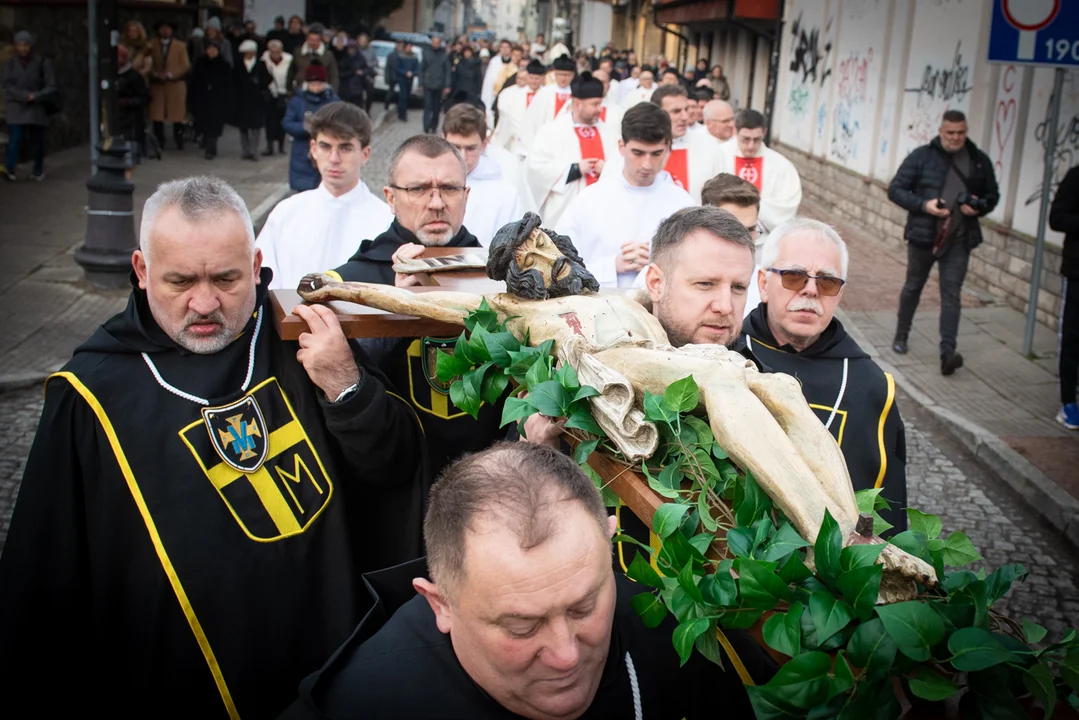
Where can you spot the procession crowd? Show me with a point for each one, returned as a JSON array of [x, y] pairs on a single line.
[[235, 524]]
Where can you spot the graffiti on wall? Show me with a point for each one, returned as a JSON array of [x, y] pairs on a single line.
[[941, 87], [809, 52], [1066, 153], [1005, 116], [852, 93]]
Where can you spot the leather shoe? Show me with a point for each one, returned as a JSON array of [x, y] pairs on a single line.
[[899, 345], [950, 363]]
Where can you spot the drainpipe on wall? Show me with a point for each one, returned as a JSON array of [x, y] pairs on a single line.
[[683, 41], [773, 74]]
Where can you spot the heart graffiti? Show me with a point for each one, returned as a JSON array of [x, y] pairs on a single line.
[[1005, 126]]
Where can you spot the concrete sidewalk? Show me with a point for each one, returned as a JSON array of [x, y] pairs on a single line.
[[48, 308], [1001, 405]]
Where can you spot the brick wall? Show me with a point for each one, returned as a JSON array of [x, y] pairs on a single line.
[[1001, 265]]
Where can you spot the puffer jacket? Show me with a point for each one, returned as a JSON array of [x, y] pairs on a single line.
[[302, 173], [1064, 217], [921, 178]]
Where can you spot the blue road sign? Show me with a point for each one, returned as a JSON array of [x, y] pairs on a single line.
[[1035, 32]]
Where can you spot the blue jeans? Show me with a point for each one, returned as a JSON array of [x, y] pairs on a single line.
[[37, 141], [404, 94]]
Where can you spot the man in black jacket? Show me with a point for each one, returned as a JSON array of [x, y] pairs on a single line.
[[1064, 217], [427, 194], [435, 78], [945, 187], [189, 528], [794, 331]]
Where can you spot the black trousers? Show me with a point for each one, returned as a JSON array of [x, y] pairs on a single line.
[[1068, 336], [432, 106], [177, 134], [952, 266]]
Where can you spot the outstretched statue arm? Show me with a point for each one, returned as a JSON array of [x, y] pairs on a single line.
[[446, 306]]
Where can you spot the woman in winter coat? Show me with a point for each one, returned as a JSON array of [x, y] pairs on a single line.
[[315, 93], [467, 76], [718, 82], [137, 42], [277, 63], [252, 89], [212, 92]]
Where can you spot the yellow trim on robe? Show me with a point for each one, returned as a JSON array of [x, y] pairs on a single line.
[[155, 538], [334, 274], [739, 667], [880, 429]]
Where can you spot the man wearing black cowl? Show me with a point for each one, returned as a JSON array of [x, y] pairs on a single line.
[[427, 193], [945, 187]]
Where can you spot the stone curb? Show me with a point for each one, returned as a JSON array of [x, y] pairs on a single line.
[[1042, 495]]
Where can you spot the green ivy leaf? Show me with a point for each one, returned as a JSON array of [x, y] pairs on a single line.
[[859, 556], [770, 705], [664, 482], [477, 343], [682, 395], [689, 583], [704, 433], [567, 376], [750, 502], [702, 542], [1033, 632], [999, 582], [606, 494], [872, 649], [521, 362], [930, 685], [450, 367], [829, 615], [514, 410], [707, 644], [867, 499], [958, 580], [783, 543], [920, 522], [913, 543], [539, 373], [783, 631], [583, 420], [704, 510], [550, 398], [494, 384], [977, 649], [914, 627], [641, 571], [794, 570], [872, 701], [656, 410], [860, 588], [740, 542], [976, 597], [584, 450], [499, 346], [584, 392], [667, 518], [685, 635], [741, 619], [719, 588], [827, 549], [1038, 679], [759, 585], [650, 608], [676, 552], [462, 350], [804, 680]]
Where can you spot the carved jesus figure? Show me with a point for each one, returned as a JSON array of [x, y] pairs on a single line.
[[617, 346]]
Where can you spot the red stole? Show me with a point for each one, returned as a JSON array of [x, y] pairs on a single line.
[[591, 148], [750, 169], [678, 167], [559, 102], [528, 98], [603, 113]]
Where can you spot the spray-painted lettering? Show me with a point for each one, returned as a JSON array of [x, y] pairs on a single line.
[[945, 83], [809, 54]]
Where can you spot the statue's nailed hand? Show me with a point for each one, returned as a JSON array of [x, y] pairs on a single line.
[[324, 352]]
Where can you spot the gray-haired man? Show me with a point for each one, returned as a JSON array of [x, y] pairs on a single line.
[[184, 519]]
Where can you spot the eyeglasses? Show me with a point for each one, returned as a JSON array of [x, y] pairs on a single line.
[[796, 280], [425, 193]]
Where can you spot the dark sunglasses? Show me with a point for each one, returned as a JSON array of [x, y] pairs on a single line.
[[796, 280]]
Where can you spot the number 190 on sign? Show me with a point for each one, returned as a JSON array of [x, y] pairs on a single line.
[[1061, 49]]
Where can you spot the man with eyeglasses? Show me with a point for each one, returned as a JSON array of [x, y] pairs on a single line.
[[318, 228], [794, 331], [427, 193], [719, 120], [772, 174]]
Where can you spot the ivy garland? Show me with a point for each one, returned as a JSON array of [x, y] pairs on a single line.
[[844, 649]]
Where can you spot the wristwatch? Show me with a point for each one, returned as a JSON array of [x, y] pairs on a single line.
[[345, 393]]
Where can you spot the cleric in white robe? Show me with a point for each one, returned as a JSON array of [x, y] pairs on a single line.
[[642, 92], [493, 200], [695, 158], [494, 71], [512, 104], [572, 152], [322, 228], [611, 223], [550, 100], [772, 174], [610, 112]]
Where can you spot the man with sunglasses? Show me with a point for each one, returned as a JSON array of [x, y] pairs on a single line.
[[427, 192], [794, 331]]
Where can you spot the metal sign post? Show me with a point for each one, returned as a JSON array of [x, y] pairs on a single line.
[[1043, 212]]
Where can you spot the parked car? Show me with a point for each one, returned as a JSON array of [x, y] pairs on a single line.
[[382, 49]]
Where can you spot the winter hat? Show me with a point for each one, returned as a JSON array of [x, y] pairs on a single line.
[[584, 87], [24, 36], [564, 63], [536, 68], [315, 72], [215, 23], [197, 34], [249, 46]]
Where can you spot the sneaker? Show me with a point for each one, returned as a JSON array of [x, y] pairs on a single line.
[[950, 363], [899, 345], [38, 176], [1069, 416]]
